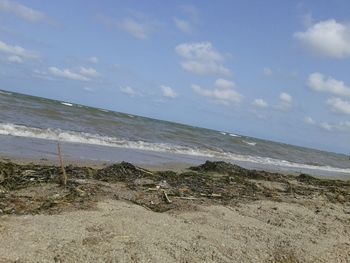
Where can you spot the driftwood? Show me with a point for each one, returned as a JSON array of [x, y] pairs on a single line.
[[186, 197], [166, 197]]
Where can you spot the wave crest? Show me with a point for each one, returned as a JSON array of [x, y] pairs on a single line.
[[96, 139]]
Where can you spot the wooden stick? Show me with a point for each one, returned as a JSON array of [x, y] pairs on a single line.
[[64, 175], [166, 197], [186, 197]]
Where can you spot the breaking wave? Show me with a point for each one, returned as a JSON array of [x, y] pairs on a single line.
[[96, 139], [250, 143], [67, 104]]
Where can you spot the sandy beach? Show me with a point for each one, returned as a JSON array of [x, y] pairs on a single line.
[[174, 131], [216, 212]]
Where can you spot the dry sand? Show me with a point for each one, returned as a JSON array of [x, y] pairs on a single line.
[[271, 224], [118, 231]]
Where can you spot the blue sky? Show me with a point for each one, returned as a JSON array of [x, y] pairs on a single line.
[[276, 70]]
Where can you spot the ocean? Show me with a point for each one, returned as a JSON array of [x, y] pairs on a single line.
[[31, 126]]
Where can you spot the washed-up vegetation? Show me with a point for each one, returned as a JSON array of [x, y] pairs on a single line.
[[33, 189]]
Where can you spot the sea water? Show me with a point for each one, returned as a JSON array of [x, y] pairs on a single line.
[[30, 127]]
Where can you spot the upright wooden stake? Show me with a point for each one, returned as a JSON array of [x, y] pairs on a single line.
[[64, 175]]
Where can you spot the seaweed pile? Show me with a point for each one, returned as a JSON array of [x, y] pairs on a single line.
[[33, 189]]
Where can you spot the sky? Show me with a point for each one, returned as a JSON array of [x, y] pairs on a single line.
[[276, 70]]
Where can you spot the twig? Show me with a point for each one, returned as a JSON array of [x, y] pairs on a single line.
[[212, 195], [166, 197], [186, 197], [64, 174]]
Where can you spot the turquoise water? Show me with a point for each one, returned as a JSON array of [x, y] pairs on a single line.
[[46, 121]]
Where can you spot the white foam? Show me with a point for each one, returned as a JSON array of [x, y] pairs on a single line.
[[223, 133], [234, 135], [96, 139], [67, 104], [5, 93], [250, 143]]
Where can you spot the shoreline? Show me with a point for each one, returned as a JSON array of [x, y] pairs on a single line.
[[177, 166], [37, 149]]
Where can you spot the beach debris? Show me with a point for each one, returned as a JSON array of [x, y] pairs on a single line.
[[153, 189], [211, 195], [124, 171], [64, 174], [163, 184], [166, 198], [187, 197], [32, 189], [219, 167]]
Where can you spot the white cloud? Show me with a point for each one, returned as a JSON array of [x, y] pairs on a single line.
[[285, 97], [286, 101], [319, 83], [199, 51], [25, 12], [294, 74], [344, 126], [129, 91], [67, 74], [268, 72], [260, 103], [201, 59], [224, 84], [42, 75], [222, 92], [183, 25], [326, 38], [17, 51], [338, 105], [89, 89], [309, 120], [15, 59], [202, 68], [82, 73], [134, 28], [326, 126], [21, 11], [308, 20], [136, 24], [89, 72], [168, 92], [187, 24], [191, 11], [93, 60]]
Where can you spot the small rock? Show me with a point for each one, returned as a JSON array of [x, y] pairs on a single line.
[[163, 184], [340, 198], [144, 182]]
